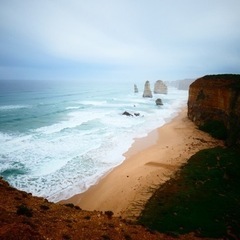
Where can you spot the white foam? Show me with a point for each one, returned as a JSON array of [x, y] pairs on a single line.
[[93, 103], [13, 107], [70, 155], [4, 137], [74, 119], [71, 108]]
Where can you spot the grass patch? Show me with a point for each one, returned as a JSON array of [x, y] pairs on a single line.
[[204, 198]]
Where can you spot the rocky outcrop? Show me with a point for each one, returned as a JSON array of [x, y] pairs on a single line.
[[214, 101], [135, 88], [160, 87], [130, 114], [159, 102], [147, 93], [24, 217]]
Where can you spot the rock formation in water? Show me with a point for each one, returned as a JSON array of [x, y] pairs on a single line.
[[127, 114], [159, 101], [160, 87], [214, 103], [130, 114], [135, 88], [147, 90]]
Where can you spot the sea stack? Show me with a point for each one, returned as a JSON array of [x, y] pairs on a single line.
[[160, 87], [147, 93], [135, 88]]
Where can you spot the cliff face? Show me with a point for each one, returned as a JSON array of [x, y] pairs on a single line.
[[216, 98]]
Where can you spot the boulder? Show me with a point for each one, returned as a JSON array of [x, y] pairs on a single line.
[[159, 101], [147, 93], [160, 87], [130, 115], [127, 114]]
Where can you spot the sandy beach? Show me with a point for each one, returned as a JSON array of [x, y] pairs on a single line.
[[150, 161]]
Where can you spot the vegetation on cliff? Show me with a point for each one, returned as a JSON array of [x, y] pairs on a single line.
[[24, 217], [203, 198]]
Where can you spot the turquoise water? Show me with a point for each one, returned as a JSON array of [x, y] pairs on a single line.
[[57, 139]]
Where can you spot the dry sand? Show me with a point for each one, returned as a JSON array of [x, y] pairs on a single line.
[[150, 161]]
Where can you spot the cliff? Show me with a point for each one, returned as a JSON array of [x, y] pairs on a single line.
[[160, 87], [214, 104], [25, 217]]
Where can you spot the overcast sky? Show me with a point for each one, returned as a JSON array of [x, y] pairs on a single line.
[[118, 39]]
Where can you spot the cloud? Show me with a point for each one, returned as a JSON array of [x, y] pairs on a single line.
[[158, 36]]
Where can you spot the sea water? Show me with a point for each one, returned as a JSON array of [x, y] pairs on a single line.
[[57, 139]]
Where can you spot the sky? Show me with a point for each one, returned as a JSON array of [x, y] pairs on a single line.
[[118, 40]]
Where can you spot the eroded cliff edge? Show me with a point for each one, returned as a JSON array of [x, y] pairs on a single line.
[[23, 216], [214, 102]]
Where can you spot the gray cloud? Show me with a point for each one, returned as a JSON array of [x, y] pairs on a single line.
[[155, 39]]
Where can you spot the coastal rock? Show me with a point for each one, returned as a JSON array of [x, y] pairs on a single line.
[[147, 93], [130, 115], [57, 221], [135, 88], [160, 87], [127, 114], [159, 101], [216, 98]]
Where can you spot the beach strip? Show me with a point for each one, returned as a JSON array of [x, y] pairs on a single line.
[[150, 161]]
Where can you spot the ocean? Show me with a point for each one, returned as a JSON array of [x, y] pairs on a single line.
[[59, 138]]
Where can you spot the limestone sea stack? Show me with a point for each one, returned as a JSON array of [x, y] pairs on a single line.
[[214, 102], [147, 93], [135, 88], [160, 87]]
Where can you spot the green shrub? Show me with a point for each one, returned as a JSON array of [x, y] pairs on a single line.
[[24, 210], [109, 214], [65, 236], [71, 205], [44, 207]]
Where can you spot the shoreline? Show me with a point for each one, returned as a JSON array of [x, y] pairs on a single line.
[[149, 162]]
